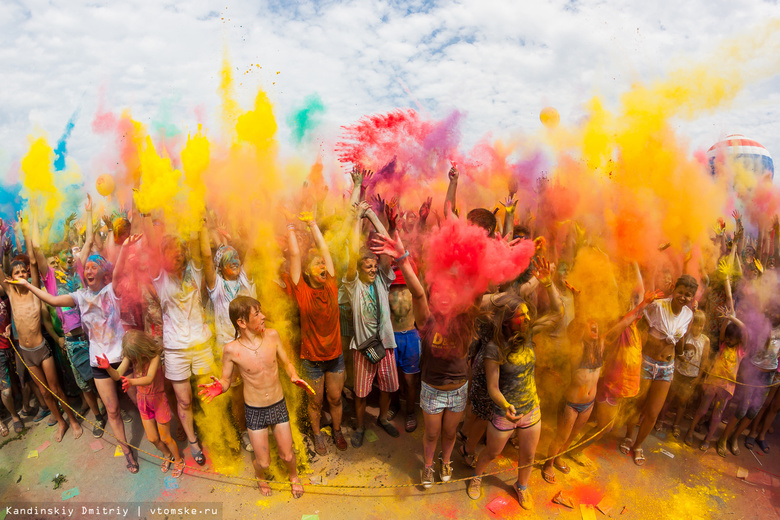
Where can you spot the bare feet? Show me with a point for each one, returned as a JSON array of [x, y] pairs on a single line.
[[77, 430], [61, 429], [297, 487], [264, 488]]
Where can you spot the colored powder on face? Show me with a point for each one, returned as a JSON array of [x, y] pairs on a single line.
[[305, 119]]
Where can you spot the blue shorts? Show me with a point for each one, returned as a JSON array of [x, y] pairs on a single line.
[[407, 351], [315, 370]]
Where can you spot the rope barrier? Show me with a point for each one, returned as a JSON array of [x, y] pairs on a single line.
[[322, 486]]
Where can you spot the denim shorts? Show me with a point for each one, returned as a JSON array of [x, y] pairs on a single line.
[[655, 370], [434, 401], [314, 370]]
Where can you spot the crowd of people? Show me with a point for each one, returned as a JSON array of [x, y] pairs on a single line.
[[125, 305]]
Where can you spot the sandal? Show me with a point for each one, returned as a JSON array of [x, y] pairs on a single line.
[[750, 442], [733, 448], [763, 445], [676, 432], [166, 464], [4, 430], [704, 446], [548, 477], [561, 466], [720, 447], [178, 469], [132, 464], [469, 458], [197, 454], [639, 457], [626, 445]]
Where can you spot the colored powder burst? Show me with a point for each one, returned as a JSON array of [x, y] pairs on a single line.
[[163, 121], [465, 257], [305, 119], [62, 145], [38, 179]]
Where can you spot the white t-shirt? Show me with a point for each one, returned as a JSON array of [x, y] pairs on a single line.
[[100, 318], [766, 359], [184, 322], [223, 293], [664, 324], [690, 367], [363, 301]]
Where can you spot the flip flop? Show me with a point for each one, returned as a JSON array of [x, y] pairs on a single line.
[[626, 445], [197, 454], [4, 430], [676, 432], [18, 426], [639, 457], [750, 442], [548, 477], [166, 464], [132, 464], [178, 469], [763, 445], [720, 447], [704, 446]]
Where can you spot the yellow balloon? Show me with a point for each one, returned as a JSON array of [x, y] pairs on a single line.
[[549, 117], [105, 185]]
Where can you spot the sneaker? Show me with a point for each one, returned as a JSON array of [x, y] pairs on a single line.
[[319, 445], [357, 438], [246, 443], [446, 470], [427, 477], [100, 424], [339, 440], [524, 497], [126, 418], [474, 488], [387, 426], [52, 421]]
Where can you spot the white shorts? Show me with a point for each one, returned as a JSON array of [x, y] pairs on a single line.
[[182, 363]]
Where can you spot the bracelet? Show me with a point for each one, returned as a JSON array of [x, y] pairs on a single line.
[[290, 227], [548, 284], [402, 256]]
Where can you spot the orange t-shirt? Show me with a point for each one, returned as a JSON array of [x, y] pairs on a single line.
[[319, 310], [624, 366]]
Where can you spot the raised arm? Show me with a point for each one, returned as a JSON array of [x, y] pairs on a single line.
[[630, 317], [25, 228], [90, 233], [452, 191], [295, 253], [510, 204], [319, 241], [383, 245], [209, 270], [354, 240], [35, 248], [543, 273], [119, 268]]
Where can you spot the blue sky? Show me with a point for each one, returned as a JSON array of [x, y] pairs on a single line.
[[499, 62]]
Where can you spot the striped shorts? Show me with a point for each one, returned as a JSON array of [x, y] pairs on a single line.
[[261, 417], [385, 371]]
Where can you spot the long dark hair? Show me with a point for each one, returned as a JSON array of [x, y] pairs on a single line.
[[504, 307]]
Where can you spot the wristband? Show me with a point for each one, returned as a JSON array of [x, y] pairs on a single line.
[[290, 227], [548, 284], [403, 256]]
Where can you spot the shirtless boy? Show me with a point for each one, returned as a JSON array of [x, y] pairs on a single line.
[[255, 352]]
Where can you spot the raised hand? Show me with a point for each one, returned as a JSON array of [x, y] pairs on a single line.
[[392, 202], [211, 390], [737, 216], [107, 222], [391, 212], [542, 270], [379, 202], [307, 217], [362, 208], [539, 243], [724, 312], [512, 184], [88, 205], [102, 362], [425, 209], [509, 203], [69, 220], [132, 239], [384, 245], [357, 176], [651, 296], [571, 287], [453, 174]]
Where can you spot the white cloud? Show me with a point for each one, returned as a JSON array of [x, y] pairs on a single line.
[[499, 62]]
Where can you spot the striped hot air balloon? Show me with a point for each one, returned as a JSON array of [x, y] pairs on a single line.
[[749, 153]]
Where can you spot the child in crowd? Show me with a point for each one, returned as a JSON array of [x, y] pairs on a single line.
[[256, 353], [141, 354]]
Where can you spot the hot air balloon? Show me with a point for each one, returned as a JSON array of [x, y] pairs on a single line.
[[750, 154]]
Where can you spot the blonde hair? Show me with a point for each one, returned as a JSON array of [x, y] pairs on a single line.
[[139, 347], [699, 317]]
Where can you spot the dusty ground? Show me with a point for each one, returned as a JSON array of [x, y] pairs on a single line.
[[690, 485]]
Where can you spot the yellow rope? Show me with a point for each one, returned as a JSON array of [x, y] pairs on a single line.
[[332, 486]]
